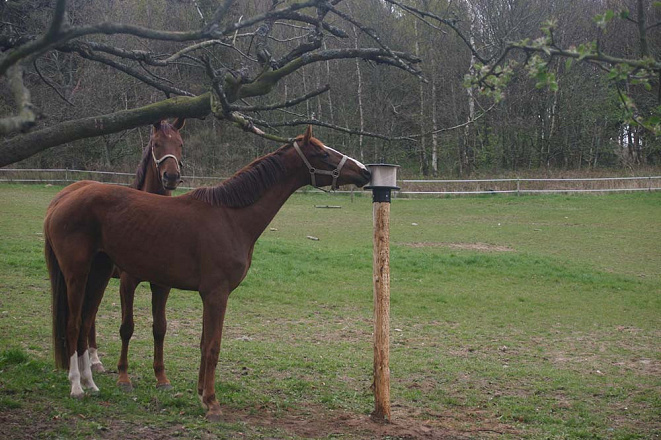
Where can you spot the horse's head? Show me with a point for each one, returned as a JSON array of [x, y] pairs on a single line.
[[165, 143], [327, 166]]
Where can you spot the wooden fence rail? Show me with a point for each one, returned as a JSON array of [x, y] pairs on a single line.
[[409, 187]]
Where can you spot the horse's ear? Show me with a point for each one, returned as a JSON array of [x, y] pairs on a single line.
[[307, 135], [156, 126], [179, 123]]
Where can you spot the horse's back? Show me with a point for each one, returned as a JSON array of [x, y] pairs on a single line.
[[144, 233], [68, 190]]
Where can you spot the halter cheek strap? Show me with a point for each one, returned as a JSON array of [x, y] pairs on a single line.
[[313, 171]]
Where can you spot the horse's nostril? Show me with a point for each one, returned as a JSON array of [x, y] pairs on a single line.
[[171, 177]]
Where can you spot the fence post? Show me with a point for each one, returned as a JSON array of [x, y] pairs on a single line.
[[66, 175], [649, 186], [384, 180], [518, 188]]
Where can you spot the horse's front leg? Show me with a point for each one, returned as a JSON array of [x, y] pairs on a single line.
[[127, 287], [214, 304], [159, 297]]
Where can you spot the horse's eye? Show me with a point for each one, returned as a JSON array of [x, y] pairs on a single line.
[[325, 155]]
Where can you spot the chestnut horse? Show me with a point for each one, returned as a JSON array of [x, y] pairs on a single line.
[[157, 175], [202, 241]]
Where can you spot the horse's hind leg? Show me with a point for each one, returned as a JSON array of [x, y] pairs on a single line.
[[97, 281], [97, 365], [127, 287], [75, 274], [159, 297], [76, 294]]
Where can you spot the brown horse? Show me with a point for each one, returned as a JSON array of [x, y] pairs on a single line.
[[200, 241], [156, 175]]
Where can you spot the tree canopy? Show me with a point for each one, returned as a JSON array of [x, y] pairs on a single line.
[[438, 86]]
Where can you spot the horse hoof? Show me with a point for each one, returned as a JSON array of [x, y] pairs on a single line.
[[125, 386], [164, 386], [98, 368], [213, 416], [79, 395]]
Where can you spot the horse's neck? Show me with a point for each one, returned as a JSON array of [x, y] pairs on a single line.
[[256, 217], [153, 182]]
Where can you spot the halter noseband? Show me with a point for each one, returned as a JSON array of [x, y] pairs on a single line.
[[158, 162], [335, 173]]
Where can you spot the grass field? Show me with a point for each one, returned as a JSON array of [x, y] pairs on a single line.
[[512, 317]]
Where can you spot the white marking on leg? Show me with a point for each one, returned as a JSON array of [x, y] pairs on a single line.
[[94, 356], [97, 365], [74, 377], [86, 371], [348, 157]]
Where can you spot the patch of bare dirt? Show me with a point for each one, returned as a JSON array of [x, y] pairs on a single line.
[[305, 422], [23, 423], [481, 247], [318, 422]]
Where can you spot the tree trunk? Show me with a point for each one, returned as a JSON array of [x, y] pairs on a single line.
[[434, 126], [466, 153], [360, 100], [423, 148], [330, 98]]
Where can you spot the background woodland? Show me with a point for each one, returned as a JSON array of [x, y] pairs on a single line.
[[434, 126]]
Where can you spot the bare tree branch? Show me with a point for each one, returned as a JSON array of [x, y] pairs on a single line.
[[442, 130], [50, 84], [58, 19], [316, 122], [235, 89], [451, 23], [398, 61], [289, 103], [39, 45], [90, 55]]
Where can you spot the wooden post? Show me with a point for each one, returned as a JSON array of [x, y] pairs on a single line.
[[383, 181], [381, 273]]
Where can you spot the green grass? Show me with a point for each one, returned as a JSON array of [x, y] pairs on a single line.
[[511, 317]]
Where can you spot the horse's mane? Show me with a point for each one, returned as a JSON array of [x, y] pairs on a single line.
[[141, 171], [246, 186]]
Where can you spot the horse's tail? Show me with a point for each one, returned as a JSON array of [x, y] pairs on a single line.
[[60, 307]]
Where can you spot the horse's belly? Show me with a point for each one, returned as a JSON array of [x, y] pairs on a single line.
[[157, 254]]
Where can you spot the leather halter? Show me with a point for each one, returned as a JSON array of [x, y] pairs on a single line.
[[158, 162], [313, 171]]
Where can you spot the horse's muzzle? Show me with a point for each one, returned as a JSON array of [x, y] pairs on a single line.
[[170, 181], [365, 174]]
